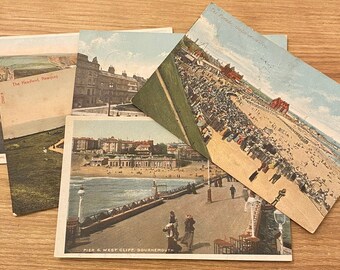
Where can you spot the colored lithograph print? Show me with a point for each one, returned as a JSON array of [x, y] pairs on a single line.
[[132, 189], [256, 111], [36, 73], [113, 66]]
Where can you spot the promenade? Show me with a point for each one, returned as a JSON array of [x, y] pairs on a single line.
[[224, 217], [294, 204]]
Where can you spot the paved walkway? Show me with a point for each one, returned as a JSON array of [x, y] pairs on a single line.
[[223, 217], [296, 205]]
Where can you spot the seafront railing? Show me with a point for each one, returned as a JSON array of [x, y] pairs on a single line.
[[103, 219]]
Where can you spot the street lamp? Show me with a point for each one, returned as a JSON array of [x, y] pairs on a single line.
[[209, 200], [81, 193], [252, 201], [280, 219]]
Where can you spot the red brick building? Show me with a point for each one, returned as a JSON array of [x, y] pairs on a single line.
[[231, 73], [279, 105]]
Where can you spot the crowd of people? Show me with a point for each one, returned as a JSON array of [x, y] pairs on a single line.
[[211, 102]]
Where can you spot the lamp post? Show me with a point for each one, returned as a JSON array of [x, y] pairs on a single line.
[[81, 193], [280, 219], [252, 201], [209, 200]]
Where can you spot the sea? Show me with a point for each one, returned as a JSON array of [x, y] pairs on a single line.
[[331, 142], [103, 193], [32, 127], [26, 61]]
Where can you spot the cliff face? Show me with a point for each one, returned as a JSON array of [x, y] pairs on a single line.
[[63, 61]]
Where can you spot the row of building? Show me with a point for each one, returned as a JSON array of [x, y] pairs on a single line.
[[94, 86], [141, 148], [211, 64], [113, 145], [126, 161]]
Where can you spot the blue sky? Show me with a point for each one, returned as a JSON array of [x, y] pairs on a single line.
[[136, 53], [312, 95], [123, 128]]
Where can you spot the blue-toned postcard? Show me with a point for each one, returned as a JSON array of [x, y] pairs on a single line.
[[131, 189], [258, 112]]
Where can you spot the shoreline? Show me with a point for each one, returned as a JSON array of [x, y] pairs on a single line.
[[192, 172]]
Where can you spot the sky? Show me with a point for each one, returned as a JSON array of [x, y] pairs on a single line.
[[312, 95], [141, 128], [39, 44], [136, 53], [50, 43]]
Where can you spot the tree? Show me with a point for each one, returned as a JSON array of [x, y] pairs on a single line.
[[160, 149]]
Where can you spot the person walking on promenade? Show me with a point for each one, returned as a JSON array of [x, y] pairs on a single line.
[[169, 232], [232, 191], [245, 194], [189, 191], [254, 175], [189, 232], [193, 188], [173, 220], [275, 177]]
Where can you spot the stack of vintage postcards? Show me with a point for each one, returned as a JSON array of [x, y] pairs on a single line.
[[163, 145]]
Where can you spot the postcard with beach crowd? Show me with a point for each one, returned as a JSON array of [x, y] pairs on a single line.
[[37, 76], [131, 189], [258, 112], [126, 181]]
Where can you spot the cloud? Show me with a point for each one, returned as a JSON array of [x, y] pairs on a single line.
[[329, 97], [207, 35], [99, 43], [83, 47], [323, 109]]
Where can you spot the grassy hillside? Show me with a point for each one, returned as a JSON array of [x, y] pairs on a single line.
[[174, 84], [34, 175], [152, 100]]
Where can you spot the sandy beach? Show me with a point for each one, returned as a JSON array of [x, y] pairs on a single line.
[[299, 207], [193, 171], [310, 158]]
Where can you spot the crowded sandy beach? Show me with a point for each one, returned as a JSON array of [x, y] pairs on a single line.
[[270, 151], [313, 158]]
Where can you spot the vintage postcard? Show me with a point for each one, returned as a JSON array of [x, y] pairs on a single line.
[[258, 112], [113, 66], [37, 75], [131, 189]]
